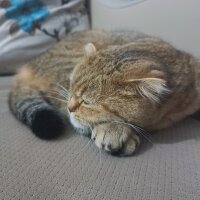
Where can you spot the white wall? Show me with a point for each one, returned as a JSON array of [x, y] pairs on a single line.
[[177, 21]]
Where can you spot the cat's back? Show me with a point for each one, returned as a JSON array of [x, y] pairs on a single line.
[[67, 53]]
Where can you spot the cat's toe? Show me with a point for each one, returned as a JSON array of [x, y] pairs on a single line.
[[112, 149], [129, 146]]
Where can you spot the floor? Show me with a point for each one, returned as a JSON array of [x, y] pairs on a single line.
[[167, 167]]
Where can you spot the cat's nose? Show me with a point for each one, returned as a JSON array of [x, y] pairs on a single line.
[[72, 104]]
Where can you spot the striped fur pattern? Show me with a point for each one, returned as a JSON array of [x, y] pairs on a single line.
[[110, 85]]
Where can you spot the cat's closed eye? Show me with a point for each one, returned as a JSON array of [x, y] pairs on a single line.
[[85, 102]]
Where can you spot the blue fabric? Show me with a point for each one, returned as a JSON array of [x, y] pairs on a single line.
[[27, 13]]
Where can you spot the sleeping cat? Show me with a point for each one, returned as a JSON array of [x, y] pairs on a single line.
[[112, 85]]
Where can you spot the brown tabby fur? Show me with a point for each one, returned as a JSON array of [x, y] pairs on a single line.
[[123, 79]]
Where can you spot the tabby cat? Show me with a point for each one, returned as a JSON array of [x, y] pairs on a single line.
[[110, 85]]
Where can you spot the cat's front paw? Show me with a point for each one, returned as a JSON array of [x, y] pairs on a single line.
[[118, 139]]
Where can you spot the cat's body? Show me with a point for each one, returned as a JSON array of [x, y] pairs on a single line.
[[123, 79]]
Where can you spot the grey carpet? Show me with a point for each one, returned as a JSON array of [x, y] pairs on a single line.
[[69, 169]]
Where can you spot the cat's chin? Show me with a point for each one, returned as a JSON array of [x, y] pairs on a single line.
[[75, 123], [81, 129]]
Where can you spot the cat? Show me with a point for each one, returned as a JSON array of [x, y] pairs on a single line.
[[109, 85]]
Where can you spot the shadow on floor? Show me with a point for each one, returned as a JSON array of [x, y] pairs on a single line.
[[188, 129]]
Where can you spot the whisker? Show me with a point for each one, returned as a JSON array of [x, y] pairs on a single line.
[[82, 150], [58, 93], [62, 100], [53, 91], [60, 89], [62, 93], [146, 137], [138, 129], [50, 97], [43, 96], [67, 92], [67, 110], [90, 129]]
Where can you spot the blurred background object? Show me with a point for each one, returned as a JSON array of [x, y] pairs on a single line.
[[120, 3], [175, 21], [28, 28]]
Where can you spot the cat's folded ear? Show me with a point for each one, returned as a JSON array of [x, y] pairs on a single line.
[[152, 86], [90, 49]]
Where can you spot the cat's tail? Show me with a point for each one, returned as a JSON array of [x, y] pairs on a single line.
[[28, 105]]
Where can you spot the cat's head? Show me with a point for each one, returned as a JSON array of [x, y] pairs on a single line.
[[116, 83]]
